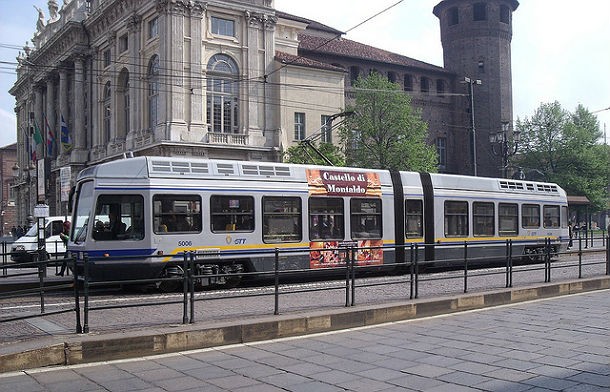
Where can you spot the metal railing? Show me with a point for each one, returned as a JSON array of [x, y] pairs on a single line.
[[191, 272]]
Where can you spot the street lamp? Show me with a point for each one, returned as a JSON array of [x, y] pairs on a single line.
[[471, 83], [505, 146]]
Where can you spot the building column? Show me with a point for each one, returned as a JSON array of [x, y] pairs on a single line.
[[63, 108], [38, 121], [135, 72], [78, 133], [51, 121]]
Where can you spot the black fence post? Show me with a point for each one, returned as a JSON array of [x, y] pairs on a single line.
[[465, 267], [4, 258], [186, 279], [41, 275], [353, 280], [191, 268], [276, 308], [608, 254], [412, 269], [547, 260], [417, 270], [347, 278], [79, 327], [86, 293]]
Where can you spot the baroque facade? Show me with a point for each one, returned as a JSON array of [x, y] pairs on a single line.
[[230, 79]]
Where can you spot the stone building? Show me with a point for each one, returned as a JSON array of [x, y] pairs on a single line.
[[232, 79], [8, 216]]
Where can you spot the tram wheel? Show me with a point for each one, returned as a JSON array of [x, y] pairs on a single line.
[[170, 283]]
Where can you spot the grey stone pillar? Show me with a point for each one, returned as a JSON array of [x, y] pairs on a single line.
[[51, 121], [63, 107], [135, 72], [78, 133]]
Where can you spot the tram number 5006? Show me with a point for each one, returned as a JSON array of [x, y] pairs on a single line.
[[185, 243]]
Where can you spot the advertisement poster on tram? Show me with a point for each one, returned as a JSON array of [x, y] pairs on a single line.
[[327, 217]]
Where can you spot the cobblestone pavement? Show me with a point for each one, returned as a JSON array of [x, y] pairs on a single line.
[[559, 344]]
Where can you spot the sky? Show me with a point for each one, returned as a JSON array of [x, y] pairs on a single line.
[[560, 48]]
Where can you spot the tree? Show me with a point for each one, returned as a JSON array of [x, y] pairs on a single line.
[[303, 154], [385, 132], [564, 146]]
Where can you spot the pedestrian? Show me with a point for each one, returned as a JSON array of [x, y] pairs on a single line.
[[14, 232], [64, 235], [570, 233]]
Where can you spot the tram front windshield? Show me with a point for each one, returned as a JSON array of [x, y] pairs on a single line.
[[84, 205]]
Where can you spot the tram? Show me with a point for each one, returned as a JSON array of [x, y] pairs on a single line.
[[134, 215]]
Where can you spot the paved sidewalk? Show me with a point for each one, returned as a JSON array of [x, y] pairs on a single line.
[[558, 344]]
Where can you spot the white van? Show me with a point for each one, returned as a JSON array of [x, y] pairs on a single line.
[[23, 249]]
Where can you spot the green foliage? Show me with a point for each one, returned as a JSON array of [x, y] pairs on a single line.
[[386, 132], [564, 146], [305, 155]]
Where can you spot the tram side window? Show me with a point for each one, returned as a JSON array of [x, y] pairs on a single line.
[[456, 219], [415, 218], [176, 214], [365, 218], [508, 217], [483, 221], [232, 213], [119, 217], [564, 217], [530, 216], [326, 219], [282, 219], [551, 217]]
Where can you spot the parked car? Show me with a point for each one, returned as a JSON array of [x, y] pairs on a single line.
[[23, 249]]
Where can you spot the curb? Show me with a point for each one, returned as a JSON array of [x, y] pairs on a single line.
[[132, 344]]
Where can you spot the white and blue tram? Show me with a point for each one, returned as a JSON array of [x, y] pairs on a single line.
[[127, 213]]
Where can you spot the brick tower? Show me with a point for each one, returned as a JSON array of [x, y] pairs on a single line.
[[476, 38]]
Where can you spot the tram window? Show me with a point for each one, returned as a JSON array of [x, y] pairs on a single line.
[[119, 217], [176, 214], [508, 217], [365, 218], [530, 216], [456, 219], [483, 219], [232, 213], [415, 217], [282, 219], [326, 219], [83, 208], [551, 217], [564, 217]]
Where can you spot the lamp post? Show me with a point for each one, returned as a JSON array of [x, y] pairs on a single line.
[[504, 145], [471, 83]]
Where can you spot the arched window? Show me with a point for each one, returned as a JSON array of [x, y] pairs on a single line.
[[153, 91], [424, 84], [107, 113], [222, 95], [123, 104], [440, 87], [408, 82]]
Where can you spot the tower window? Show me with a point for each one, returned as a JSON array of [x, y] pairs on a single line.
[[479, 11], [504, 14], [454, 16], [440, 87]]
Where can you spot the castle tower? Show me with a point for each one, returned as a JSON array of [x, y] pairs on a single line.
[[476, 38]]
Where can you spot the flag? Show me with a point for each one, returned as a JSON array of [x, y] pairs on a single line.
[[50, 138], [37, 135], [65, 135]]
